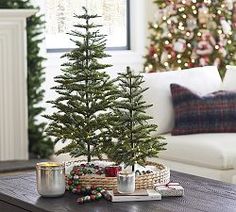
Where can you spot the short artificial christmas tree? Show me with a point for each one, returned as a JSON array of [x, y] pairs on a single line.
[[131, 128], [86, 94], [191, 33]]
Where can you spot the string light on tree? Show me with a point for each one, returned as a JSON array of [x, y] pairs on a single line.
[[207, 1], [155, 26]]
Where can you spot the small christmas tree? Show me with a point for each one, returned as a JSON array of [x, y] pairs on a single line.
[[191, 33], [86, 94], [134, 141]]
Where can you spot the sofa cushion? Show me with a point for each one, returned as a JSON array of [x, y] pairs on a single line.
[[211, 150], [202, 80], [214, 112], [229, 82]]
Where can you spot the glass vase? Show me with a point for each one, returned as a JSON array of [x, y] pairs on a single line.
[[126, 182], [50, 179]]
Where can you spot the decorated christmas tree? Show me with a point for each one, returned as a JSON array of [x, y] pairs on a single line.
[[191, 33], [131, 128], [83, 116]]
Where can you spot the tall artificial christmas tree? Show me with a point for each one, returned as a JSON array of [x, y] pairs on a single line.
[[40, 145], [131, 128], [191, 33], [83, 116]]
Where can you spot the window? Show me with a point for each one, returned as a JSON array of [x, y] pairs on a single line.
[[59, 21]]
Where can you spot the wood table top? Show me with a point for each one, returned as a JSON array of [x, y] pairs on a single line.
[[19, 194]]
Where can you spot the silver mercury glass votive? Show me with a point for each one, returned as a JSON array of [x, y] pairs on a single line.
[[50, 179], [126, 182]]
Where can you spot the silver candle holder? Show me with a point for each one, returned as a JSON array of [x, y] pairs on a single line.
[[50, 179], [126, 182]]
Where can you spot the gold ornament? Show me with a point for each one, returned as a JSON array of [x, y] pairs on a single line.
[[203, 15], [211, 25]]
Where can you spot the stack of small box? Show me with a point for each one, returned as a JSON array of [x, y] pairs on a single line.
[[170, 190], [159, 191]]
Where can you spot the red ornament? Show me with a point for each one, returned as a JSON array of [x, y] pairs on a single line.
[[70, 182], [168, 47], [173, 54], [152, 50], [152, 71], [77, 172], [112, 171], [190, 65]]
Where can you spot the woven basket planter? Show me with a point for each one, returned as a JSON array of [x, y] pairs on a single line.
[[161, 175]]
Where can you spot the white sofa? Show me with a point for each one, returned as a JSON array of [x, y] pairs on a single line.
[[211, 155]]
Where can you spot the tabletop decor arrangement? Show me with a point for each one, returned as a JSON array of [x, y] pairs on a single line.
[[103, 117]]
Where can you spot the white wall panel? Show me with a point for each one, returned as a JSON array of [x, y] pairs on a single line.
[[13, 85]]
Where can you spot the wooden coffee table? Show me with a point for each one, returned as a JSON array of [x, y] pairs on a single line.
[[18, 194]]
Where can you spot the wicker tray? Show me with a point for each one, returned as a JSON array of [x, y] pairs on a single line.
[[160, 175]]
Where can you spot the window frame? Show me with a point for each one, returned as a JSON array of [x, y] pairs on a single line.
[[118, 48]]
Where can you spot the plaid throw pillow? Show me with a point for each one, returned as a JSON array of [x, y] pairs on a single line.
[[215, 112]]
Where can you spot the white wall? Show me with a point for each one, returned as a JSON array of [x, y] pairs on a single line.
[[142, 11]]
